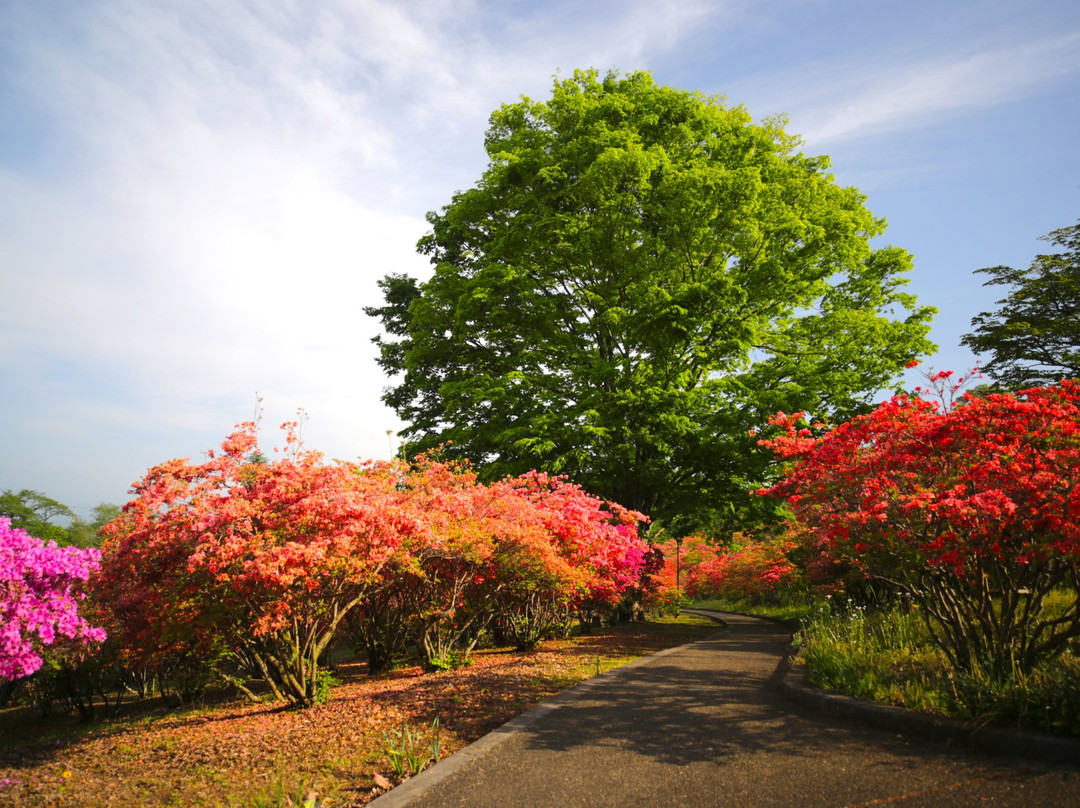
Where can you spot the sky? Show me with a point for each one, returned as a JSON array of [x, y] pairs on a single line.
[[197, 198]]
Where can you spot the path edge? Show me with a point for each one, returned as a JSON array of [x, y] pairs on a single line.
[[1024, 744], [1040, 747]]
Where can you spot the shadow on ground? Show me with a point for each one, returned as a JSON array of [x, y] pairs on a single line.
[[704, 726]]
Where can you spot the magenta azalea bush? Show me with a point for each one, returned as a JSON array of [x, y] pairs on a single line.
[[39, 599]]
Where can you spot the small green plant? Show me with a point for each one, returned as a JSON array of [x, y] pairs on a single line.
[[451, 661], [888, 656], [278, 795], [324, 680], [436, 743], [289, 789], [407, 753], [1046, 699]]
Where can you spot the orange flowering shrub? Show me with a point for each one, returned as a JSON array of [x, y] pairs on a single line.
[[240, 562]]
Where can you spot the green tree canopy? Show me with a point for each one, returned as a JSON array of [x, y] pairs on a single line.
[[83, 533], [1033, 339], [639, 278], [33, 512]]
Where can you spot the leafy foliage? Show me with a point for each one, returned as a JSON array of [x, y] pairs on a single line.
[[87, 533], [33, 512], [1034, 337], [640, 276], [972, 511]]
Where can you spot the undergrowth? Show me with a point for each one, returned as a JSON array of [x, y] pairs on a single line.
[[791, 612], [888, 657]]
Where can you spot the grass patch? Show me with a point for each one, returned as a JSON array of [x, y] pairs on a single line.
[[888, 657], [791, 612]]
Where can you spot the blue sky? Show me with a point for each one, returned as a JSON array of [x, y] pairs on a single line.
[[197, 198]]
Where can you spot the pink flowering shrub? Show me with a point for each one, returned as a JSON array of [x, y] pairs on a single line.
[[598, 539], [39, 598]]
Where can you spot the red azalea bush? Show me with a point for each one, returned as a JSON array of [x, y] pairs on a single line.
[[669, 588], [597, 539], [973, 511], [257, 561], [755, 571], [240, 564]]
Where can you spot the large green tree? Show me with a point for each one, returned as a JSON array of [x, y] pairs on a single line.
[[1033, 339], [640, 277]]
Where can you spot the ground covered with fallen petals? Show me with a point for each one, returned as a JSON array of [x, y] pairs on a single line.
[[236, 753]]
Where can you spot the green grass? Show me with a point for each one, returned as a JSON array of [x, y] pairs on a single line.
[[888, 657], [790, 611]]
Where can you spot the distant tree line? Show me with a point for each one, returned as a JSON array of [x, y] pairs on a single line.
[[37, 513]]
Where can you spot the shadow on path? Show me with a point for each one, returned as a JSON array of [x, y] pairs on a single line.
[[702, 726]]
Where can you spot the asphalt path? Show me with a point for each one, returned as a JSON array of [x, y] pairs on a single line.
[[704, 725]]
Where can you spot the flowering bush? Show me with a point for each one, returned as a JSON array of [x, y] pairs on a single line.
[[524, 553], [973, 511], [242, 561], [596, 542], [39, 598], [670, 582], [250, 558], [452, 573], [598, 539], [753, 571]]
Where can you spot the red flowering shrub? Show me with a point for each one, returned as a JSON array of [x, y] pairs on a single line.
[[251, 559], [756, 572], [597, 539], [973, 512], [669, 587]]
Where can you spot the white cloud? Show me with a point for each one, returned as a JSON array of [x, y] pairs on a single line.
[[841, 100], [220, 187]]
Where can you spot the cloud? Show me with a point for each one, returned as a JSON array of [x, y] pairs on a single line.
[[220, 230], [841, 99], [206, 194]]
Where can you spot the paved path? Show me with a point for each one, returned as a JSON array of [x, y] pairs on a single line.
[[702, 726]]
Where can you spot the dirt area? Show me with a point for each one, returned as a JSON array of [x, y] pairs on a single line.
[[241, 754]]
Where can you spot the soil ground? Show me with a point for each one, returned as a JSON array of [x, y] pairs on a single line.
[[230, 752]]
